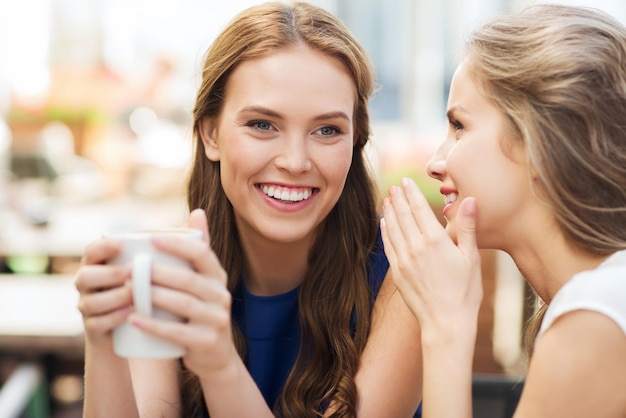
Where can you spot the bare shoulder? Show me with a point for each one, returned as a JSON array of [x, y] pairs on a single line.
[[578, 369]]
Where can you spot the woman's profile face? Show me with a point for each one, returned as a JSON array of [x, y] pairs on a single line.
[[284, 140], [472, 162]]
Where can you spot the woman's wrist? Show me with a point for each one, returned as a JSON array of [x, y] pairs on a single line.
[[226, 373], [449, 332]]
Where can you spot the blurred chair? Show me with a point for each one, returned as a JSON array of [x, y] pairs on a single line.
[[26, 159], [6, 139], [24, 393], [495, 396], [76, 178], [56, 145]]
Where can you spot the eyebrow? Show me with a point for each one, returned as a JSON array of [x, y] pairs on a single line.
[[454, 109], [333, 115], [271, 113], [262, 110]]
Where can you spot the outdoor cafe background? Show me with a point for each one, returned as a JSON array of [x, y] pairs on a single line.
[[95, 102]]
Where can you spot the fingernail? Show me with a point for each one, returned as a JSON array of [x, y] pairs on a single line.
[[404, 181], [470, 206], [382, 223], [392, 190], [135, 320], [160, 240], [386, 202]]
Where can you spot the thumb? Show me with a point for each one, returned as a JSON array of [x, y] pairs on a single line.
[[197, 219], [466, 227]]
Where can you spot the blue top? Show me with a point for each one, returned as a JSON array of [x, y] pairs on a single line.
[[271, 328]]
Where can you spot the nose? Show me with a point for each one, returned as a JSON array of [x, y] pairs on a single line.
[[436, 167], [294, 155]]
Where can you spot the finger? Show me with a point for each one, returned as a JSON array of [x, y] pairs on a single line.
[[408, 240], [106, 301], [188, 281], [466, 227], [94, 278], [390, 249], [99, 252], [197, 253], [422, 212], [389, 230], [197, 219], [188, 306], [216, 323], [106, 323], [406, 224], [400, 251]]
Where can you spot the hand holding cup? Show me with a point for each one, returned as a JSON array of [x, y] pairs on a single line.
[[139, 253]]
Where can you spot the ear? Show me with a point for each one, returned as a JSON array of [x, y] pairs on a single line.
[[533, 173], [208, 134]]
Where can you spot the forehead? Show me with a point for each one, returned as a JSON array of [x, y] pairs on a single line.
[[464, 87], [468, 100], [467, 95], [295, 74]]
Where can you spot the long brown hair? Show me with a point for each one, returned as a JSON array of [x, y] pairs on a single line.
[[559, 75], [335, 287]]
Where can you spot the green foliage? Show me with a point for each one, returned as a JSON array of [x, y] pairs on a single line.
[[53, 113], [428, 185]]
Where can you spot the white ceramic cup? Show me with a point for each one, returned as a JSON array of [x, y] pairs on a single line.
[[139, 253]]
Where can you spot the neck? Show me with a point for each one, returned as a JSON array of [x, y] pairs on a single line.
[[275, 268], [548, 264]]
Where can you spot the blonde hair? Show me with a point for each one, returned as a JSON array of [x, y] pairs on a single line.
[[559, 75], [337, 271]]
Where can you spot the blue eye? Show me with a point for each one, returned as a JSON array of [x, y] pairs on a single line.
[[262, 125], [328, 131]]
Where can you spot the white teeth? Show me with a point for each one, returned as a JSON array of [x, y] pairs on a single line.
[[286, 194], [449, 198]]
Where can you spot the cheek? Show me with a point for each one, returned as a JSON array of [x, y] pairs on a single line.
[[335, 165], [241, 155], [237, 164], [466, 167], [476, 167]]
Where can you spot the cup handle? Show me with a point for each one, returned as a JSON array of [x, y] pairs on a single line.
[[141, 281]]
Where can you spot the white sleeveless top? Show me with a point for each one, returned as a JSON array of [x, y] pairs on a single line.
[[601, 290]]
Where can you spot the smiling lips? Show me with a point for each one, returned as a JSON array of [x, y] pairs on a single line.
[[449, 198], [287, 194]]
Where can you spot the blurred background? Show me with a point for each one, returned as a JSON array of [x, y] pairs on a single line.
[[95, 123]]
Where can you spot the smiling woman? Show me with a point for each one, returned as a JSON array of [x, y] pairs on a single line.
[[266, 137], [287, 307], [533, 165]]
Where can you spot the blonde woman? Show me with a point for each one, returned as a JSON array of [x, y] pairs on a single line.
[[534, 164]]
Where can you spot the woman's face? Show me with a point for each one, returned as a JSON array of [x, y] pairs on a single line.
[[284, 140], [472, 162]]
